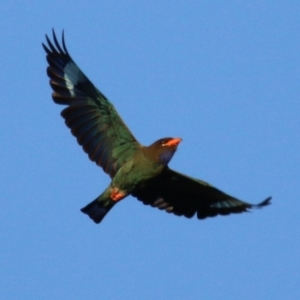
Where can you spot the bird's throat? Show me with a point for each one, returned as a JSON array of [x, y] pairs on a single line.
[[165, 157]]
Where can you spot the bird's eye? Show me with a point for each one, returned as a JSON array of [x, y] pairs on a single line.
[[163, 142]]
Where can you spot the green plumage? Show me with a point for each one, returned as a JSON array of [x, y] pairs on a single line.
[[135, 170], [92, 119]]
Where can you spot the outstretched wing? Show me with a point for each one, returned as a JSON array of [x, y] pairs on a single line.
[[92, 119], [186, 196]]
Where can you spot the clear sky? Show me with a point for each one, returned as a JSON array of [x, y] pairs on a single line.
[[224, 76]]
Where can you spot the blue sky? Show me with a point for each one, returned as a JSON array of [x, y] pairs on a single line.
[[224, 76]]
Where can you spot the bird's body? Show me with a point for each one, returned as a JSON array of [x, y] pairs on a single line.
[[132, 176], [135, 170]]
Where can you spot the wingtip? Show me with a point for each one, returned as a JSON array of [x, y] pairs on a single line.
[[64, 43], [264, 203], [55, 47]]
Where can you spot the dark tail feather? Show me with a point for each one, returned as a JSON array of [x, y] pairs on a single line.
[[97, 209]]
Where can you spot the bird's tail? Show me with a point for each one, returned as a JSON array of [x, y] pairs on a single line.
[[98, 208]]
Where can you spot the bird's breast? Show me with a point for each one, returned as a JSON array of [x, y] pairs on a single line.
[[135, 173]]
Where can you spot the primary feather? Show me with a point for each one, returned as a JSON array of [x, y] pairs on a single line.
[[93, 120]]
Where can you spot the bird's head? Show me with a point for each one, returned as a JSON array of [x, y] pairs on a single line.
[[163, 149]]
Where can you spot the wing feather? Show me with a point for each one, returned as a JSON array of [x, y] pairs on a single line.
[[186, 196], [91, 117]]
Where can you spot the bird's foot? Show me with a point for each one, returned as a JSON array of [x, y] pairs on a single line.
[[116, 194]]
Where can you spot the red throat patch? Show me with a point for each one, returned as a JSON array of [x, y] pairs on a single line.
[[116, 194]]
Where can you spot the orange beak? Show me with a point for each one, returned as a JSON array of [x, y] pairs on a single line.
[[174, 142]]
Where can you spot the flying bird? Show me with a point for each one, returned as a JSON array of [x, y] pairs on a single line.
[[134, 169]]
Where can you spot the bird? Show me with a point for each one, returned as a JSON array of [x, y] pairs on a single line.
[[134, 169]]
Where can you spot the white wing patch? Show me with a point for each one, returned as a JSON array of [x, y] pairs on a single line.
[[225, 204], [72, 76]]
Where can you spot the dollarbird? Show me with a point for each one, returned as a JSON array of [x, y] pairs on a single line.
[[134, 169]]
